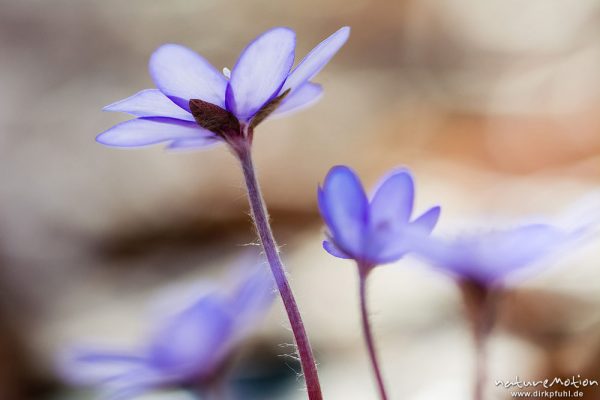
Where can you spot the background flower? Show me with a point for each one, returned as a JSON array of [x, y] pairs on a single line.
[[489, 257], [189, 348]]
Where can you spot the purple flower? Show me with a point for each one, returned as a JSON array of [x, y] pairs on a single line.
[[370, 231], [189, 348], [481, 262], [195, 105], [490, 257]]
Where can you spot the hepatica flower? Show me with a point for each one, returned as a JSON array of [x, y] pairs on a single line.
[[488, 258], [188, 349], [482, 262], [195, 105], [371, 231]]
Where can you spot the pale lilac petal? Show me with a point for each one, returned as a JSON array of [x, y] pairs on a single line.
[[87, 366], [334, 250], [428, 220], [136, 383], [150, 103], [251, 300], [260, 72], [453, 256], [299, 99], [502, 252], [392, 201], [194, 341], [147, 131], [344, 206], [491, 256], [196, 143], [183, 74], [314, 62]]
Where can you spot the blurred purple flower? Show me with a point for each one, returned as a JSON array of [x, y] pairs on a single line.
[[370, 231], [489, 257], [195, 105], [480, 262], [188, 349]]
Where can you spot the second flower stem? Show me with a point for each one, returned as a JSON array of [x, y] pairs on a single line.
[[263, 228], [480, 365], [368, 334], [479, 302]]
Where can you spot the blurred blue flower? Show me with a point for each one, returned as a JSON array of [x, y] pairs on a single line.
[[372, 232], [486, 258], [195, 105], [190, 348]]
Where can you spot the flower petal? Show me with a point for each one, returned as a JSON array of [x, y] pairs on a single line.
[[150, 103], [91, 366], [260, 72], [314, 61], [183, 74], [453, 256], [344, 207], [499, 253], [252, 299], [387, 243], [131, 386], [491, 256], [195, 143], [392, 201], [193, 342], [147, 131], [334, 250], [303, 97], [323, 207], [428, 220]]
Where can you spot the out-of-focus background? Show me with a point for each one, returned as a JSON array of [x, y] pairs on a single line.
[[493, 104]]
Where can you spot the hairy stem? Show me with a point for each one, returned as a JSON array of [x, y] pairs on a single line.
[[368, 334], [263, 228]]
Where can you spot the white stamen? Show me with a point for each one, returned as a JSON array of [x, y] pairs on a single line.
[[227, 72]]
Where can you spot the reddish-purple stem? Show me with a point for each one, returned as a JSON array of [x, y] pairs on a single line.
[[263, 228], [368, 333]]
